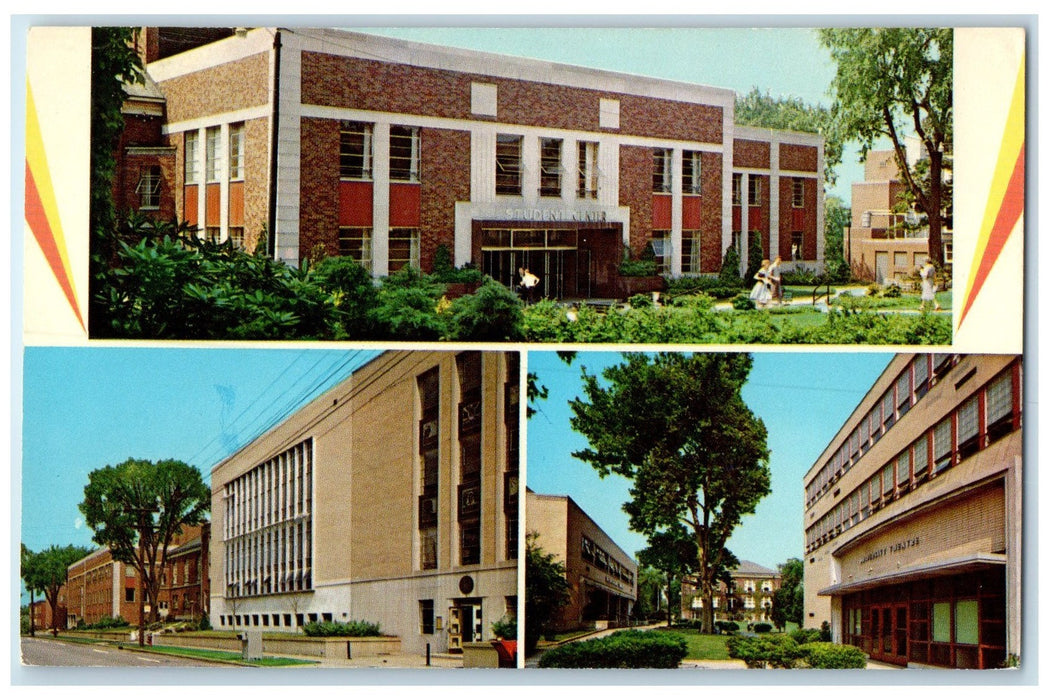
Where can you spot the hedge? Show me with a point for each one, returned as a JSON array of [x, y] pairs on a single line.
[[624, 649], [830, 655], [354, 628]]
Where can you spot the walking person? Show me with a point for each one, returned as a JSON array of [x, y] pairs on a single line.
[[928, 275], [761, 293], [528, 283], [775, 283]]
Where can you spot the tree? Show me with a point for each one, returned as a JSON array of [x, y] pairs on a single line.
[[672, 552], [838, 217], [46, 570], [546, 590], [678, 428], [113, 64], [649, 592], [891, 81], [26, 562], [788, 602], [758, 108], [137, 507]]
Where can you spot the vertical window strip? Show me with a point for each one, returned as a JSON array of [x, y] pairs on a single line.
[[942, 445], [236, 151], [213, 154], [1000, 398], [192, 155], [968, 420], [355, 150]]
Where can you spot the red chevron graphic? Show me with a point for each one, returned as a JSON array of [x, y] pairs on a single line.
[[1004, 223], [45, 237]]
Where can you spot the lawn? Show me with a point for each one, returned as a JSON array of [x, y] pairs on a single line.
[[229, 656], [704, 647]]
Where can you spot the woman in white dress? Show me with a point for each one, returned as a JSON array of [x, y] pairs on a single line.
[[761, 293], [928, 275]]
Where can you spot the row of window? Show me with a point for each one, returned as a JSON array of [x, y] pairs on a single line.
[[509, 168], [691, 172], [988, 415], [214, 154], [403, 246], [268, 525], [273, 619], [356, 152], [754, 199], [603, 561], [907, 389]]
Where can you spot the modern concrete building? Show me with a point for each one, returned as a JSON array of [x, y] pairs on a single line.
[[386, 150], [885, 242], [747, 598], [391, 498], [913, 515], [602, 577]]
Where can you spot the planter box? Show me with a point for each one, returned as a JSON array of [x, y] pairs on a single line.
[[629, 286], [480, 655], [317, 647]]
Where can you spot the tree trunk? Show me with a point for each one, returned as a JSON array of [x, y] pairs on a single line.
[[934, 212]]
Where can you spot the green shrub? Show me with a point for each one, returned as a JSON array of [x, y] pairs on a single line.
[[354, 628], [729, 274], [829, 655], [700, 300], [106, 623], [825, 635], [505, 628], [623, 649], [204, 624], [766, 651], [762, 627], [804, 635], [742, 302], [353, 295], [446, 273], [492, 313], [711, 284], [641, 301], [726, 626], [407, 308], [637, 268], [802, 277]]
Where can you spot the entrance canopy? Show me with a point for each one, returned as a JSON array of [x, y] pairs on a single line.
[[946, 567]]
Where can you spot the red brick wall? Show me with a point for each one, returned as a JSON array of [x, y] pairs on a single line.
[[223, 88], [319, 188], [340, 81], [445, 180], [635, 191], [787, 214], [711, 252], [750, 154], [792, 157], [125, 198]]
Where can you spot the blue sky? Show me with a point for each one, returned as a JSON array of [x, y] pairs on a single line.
[[781, 61], [803, 398], [85, 408]]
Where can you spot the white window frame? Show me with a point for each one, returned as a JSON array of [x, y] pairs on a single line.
[[236, 151], [692, 172], [411, 135], [213, 154], [192, 158], [550, 168], [589, 176], [349, 149], [662, 171], [508, 165], [148, 188]]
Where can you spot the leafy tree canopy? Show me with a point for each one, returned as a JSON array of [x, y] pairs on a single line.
[[678, 428], [788, 602], [891, 82], [137, 507], [45, 571], [546, 589]]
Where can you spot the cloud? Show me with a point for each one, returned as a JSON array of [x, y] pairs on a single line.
[[78, 523]]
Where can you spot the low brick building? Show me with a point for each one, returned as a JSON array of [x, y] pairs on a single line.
[[386, 150], [746, 598], [913, 515]]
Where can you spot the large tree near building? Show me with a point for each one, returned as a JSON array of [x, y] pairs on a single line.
[[137, 507], [892, 82], [788, 602], [677, 427], [546, 590], [45, 571]]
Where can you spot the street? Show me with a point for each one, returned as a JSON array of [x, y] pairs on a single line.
[[42, 651]]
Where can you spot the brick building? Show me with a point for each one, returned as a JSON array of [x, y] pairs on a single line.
[[98, 586], [144, 180], [385, 150], [746, 597], [913, 515], [884, 242], [392, 498], [602, 578], [46, 618]]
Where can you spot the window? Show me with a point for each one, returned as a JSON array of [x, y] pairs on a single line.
[[356, 243], [148, 189], [921, 376], [404, 154], [797, 193], [1000, 406], [941, 445], [661, 247], [355, 151], [899, 260], [797, 240], [129, 595], [404, 248], [588, 180], [690, 252], [236, 152], [737, 189], [691, 172], [903, 392], [428, 548], [661, 171], [969, 427], [507, 164], [192, 158], [213, 155], [550, 167], [236, 236], [426, 617], [887, 480], [429, 387], [921, 457], [754, 191]]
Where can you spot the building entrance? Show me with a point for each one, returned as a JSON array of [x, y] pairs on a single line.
[[466, 623]]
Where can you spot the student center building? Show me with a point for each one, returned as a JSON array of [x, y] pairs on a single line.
[[392, 498], [386, 150], [913, 516]]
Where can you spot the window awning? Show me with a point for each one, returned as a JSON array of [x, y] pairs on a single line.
[[946, 567]]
